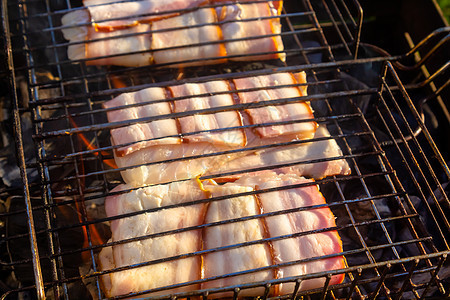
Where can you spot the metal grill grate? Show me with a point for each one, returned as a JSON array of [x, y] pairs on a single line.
[[391, 211]]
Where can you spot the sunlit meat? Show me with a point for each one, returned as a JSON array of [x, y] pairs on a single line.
[[251, 29], [176, 39], [311, 218], [295, 110], [183, 33], [113, 14], [173, 271], [239, 259], [152, 152], [218, 96], [106, 48], [110, 14], [148, 133], [242, 248], [325, 152]]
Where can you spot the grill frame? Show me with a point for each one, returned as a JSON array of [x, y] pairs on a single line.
[[59, 285]]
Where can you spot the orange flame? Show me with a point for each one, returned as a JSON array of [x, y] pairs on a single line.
[[109, 162], [95, 236], [117, 82]]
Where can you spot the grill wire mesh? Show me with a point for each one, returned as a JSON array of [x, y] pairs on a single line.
[[391, 212]]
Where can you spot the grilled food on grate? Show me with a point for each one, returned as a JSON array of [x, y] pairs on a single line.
[[211, 121], [297, 241], [113, 14], [234, 31]]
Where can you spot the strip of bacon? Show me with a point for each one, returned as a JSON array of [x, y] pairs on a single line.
[[203, 122], [166, 35], [106, 48], [143, 132], [245, 258], [113, 14], [150, 249], [158, 38], [251, 37], [109, 15], [293, 111]]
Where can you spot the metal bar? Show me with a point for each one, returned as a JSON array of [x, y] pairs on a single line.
[[435, 278], [407, 280], [411, 155], [381, 281], [420, 123], [21, 157], [354, 283]]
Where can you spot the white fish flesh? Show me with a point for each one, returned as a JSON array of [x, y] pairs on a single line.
[[166, 163], [300, 155]]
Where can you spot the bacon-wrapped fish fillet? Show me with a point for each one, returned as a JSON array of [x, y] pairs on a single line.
[[136, 157], [149, 249], [258, 260], [172, 38], [155, 144]]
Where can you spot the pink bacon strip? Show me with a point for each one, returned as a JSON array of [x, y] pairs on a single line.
[[166, 36], [275, 113], [142, 132], [203, 122], [235, 27]]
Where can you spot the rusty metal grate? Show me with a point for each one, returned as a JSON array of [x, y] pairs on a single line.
[[392, 211]]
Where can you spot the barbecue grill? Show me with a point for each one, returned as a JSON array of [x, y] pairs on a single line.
[[391, 212]]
